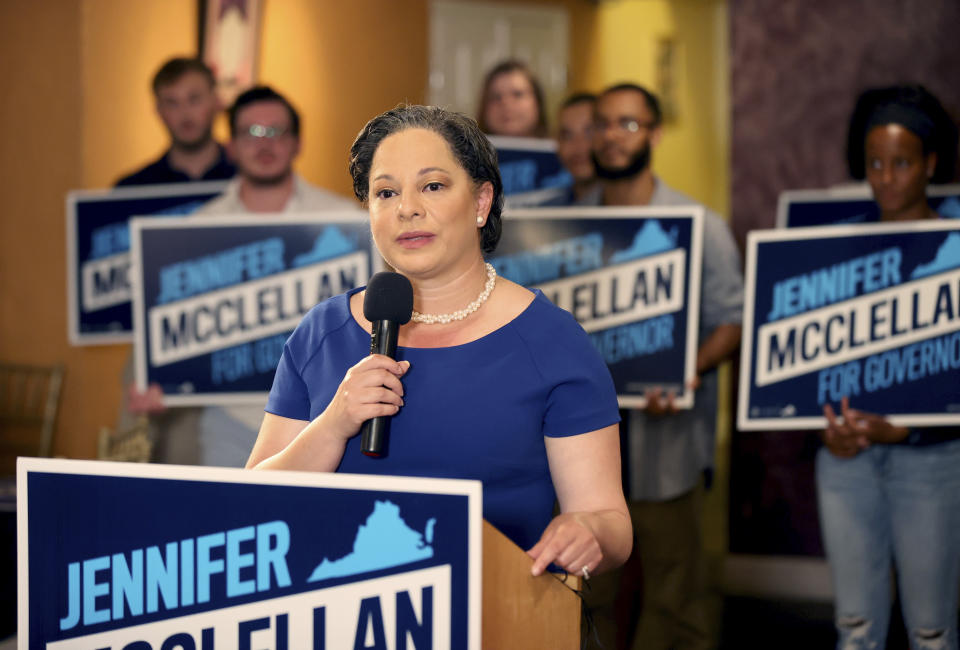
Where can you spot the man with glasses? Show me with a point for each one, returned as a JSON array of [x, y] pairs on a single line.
[[265, 140], [670, 452], [187, 104], [264, 143]]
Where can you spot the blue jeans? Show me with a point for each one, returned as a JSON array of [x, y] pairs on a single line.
[[893, 506]]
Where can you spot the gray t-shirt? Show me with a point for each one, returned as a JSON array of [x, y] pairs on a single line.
[[668, 454]]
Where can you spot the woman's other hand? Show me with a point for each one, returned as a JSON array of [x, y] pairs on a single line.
[[593, 529], [568, 542]]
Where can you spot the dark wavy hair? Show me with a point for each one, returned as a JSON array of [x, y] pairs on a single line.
[[917, 110], [467, 142], [513, 65]]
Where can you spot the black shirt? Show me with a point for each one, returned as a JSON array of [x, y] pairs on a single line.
[[160, 171]]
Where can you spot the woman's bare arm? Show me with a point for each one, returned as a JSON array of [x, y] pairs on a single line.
[[593, 528]]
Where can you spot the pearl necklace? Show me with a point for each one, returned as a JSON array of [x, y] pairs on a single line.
[[460, 314]]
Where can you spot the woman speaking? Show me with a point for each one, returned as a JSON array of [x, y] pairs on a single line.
[[491, 381]]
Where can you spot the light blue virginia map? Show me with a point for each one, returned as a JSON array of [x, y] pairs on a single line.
[[382, 542], [649, 240]]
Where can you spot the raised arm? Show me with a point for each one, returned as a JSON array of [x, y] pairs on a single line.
[[369, 389], [593, 528]]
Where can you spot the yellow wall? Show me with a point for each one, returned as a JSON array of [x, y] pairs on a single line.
[[693, 155], [39, 162], [118, 46], [79, 114], [341, 63], [122, 44]]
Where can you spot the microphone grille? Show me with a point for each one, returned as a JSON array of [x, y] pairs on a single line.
[[389, 296]]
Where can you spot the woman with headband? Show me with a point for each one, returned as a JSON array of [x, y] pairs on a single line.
[[889, 496]]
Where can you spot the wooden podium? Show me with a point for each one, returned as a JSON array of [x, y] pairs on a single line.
[[522, 611]]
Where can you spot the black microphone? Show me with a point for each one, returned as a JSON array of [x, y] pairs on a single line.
[[388, 304]]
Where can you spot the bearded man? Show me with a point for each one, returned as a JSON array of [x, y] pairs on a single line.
[[669, 452]]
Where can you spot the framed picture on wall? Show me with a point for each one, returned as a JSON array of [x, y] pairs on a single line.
[[229, 32], [666, 60]]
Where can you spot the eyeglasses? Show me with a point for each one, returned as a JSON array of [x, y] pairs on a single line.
[[624, 124], [257, 131]]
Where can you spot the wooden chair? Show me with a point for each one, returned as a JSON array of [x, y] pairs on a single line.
[[29, 401]]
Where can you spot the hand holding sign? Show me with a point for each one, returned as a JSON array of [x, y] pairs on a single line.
[[876, 428], [145, 403], [858, 431], [659, 404], [840, 438]]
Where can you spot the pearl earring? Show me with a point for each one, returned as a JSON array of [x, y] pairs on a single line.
[[479, 221]]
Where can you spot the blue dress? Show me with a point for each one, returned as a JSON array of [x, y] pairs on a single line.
[[475, 411]]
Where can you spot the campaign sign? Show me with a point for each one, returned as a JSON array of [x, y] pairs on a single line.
[[800, 208], [216, 298], [98, 253], [630, 276], [531, 172], [869, 312], [124, 556]]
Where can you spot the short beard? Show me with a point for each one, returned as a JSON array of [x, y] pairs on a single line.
[[194, 146], [269, 181], [637, 164]]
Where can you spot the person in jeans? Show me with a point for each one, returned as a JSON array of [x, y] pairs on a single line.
[[889, 496]]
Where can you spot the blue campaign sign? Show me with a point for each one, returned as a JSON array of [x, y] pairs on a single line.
[[531, 172], [216, 298], [631, 278], [853, 204], [98, 253], [869, 312], [125, 556]]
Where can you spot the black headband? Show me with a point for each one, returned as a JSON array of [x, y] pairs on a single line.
[[909, 117]]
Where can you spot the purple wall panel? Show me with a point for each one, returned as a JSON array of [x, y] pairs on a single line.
[[797, 68]]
